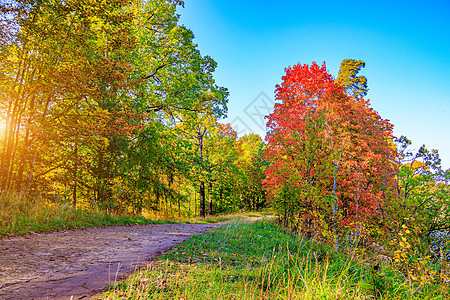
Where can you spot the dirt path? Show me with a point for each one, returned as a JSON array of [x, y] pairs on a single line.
[[82, 263]]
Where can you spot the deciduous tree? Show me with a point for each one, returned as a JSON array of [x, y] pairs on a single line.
[[328, 152]]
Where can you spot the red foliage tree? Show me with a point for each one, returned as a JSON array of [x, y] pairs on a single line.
[[330, 155]]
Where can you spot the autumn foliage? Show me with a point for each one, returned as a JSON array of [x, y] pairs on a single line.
[[338, 175], [110, 105], [330, 153]]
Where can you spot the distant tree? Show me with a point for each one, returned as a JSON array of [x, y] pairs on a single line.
[[252, 167], [353, 84], [221, 153]]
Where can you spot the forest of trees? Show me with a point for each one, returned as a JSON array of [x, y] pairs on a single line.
[[110, 104]]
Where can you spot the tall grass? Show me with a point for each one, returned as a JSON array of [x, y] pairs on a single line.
[[261, 261], [20, 215]]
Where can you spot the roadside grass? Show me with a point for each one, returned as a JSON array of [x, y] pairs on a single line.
[[20, 216], [261, 261], [225, 217]]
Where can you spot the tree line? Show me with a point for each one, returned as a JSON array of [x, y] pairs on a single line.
[[110, 104]]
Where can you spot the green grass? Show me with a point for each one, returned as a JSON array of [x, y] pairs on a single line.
[[20, 216], [261, 261], [225, 217]]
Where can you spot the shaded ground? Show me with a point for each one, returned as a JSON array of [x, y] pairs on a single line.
[[82, 263]]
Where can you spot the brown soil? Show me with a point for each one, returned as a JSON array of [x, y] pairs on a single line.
[[81, 263]]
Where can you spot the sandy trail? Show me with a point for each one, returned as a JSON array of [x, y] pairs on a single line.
[[81, 263]]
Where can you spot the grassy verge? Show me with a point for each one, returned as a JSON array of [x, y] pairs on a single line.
[[261, 261], [225, 217], [21, 216]]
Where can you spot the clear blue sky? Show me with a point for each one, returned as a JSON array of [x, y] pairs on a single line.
[[405, 44]]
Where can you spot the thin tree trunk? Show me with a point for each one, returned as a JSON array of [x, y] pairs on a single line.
[[357, 210], [335, 200], [200, 135], [202, 198], [6, 161], [75, 179], [210, 202], [15, 142], [189, 208], [195, 204]]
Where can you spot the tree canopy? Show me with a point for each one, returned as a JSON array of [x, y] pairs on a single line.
[[109, 104]]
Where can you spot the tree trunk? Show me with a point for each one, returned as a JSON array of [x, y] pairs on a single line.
[[210, 202], [75, 171], [200, 135], [195, 204], [189, 208], [202, 199], [9, 145]]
